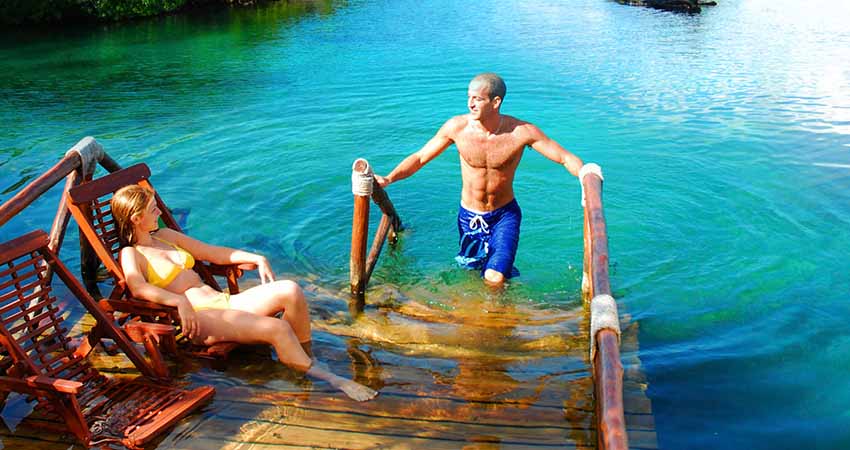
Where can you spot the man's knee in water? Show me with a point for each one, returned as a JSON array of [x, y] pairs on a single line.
[[494, 277]]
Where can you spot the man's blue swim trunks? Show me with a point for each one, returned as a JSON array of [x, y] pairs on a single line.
[[489, 240]]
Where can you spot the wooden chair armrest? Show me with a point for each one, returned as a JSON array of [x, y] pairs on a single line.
[[137, 330], [39, 383], [135, 306]]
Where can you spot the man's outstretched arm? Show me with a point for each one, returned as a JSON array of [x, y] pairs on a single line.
[[553, 150], [408, 166]]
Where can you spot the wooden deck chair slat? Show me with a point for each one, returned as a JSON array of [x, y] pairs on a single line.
[[17, 313], [29, 304], [102, 215], [49, 357], [16, 281], [29, 346], [18, 277], [16, 267], [99, 387], [109, 395], [27, 322], [32, 300], [66, 363], [38, 333], [80, 372]]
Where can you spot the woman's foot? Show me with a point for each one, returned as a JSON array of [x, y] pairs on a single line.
[[355, 390], [351, 388]]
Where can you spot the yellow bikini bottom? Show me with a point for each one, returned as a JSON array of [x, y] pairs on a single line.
[[220, 301]]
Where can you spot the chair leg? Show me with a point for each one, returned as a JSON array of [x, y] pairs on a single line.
[[69, 409]]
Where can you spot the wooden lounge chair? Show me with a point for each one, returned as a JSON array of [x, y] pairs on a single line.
[[71, 394], [89, 204]]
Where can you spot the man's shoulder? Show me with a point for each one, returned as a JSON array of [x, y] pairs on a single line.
[[522, 128], [515, 121], [458, 122], [455, 125]]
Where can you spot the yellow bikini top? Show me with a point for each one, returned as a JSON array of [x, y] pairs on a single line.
[[165, 271]]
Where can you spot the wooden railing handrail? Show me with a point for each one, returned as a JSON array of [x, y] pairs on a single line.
[[77, 166], [606, 365], [85, 152]]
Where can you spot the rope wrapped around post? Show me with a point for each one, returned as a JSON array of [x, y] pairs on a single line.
[[362, 178], [603, 316]]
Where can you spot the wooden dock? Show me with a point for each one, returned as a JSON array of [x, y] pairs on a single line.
[[447, 380]]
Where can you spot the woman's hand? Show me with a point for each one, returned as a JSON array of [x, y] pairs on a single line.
[[264, 269], [188, 319]]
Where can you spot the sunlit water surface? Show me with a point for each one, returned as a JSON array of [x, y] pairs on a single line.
[[724, 138]]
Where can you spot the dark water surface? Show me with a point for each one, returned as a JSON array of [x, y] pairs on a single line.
[[724, 138]]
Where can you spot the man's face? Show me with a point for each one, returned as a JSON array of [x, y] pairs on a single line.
[[479, 102]]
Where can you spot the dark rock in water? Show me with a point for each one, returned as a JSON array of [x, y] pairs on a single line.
[[689, 6]]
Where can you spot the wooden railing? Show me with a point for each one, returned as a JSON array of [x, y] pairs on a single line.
[[77, 166], [605, 328], [364, 187]]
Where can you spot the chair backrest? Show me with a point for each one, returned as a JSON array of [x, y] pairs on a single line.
[[30, 321], [89, 204], [31, 330]]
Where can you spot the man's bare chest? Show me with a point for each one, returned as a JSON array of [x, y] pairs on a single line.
[[489, 153]]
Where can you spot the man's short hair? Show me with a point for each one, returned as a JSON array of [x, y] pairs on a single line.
[[495, 84]]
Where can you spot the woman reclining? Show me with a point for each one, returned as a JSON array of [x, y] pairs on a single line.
[[157, 263]]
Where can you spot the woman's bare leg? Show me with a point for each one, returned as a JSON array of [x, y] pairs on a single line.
[[279, 296], [232, 325]]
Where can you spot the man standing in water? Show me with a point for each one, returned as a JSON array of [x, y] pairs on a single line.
[[490, 146]]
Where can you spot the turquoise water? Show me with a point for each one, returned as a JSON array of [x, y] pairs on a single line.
[[724, 138]]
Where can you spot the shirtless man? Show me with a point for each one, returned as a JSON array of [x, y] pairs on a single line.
[[490, 146]]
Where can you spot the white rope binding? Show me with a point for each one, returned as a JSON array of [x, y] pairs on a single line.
[[585, 170], [90, 153], [603, 316], [361, 179]]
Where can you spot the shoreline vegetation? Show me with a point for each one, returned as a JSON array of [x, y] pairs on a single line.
[[60, 12]]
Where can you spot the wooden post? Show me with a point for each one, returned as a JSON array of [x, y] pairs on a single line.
[[361, 187]]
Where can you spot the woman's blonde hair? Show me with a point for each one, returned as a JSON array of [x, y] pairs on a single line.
[[127, 202]]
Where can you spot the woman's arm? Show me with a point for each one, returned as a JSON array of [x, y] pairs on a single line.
[[131, 264], [218, 254]]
